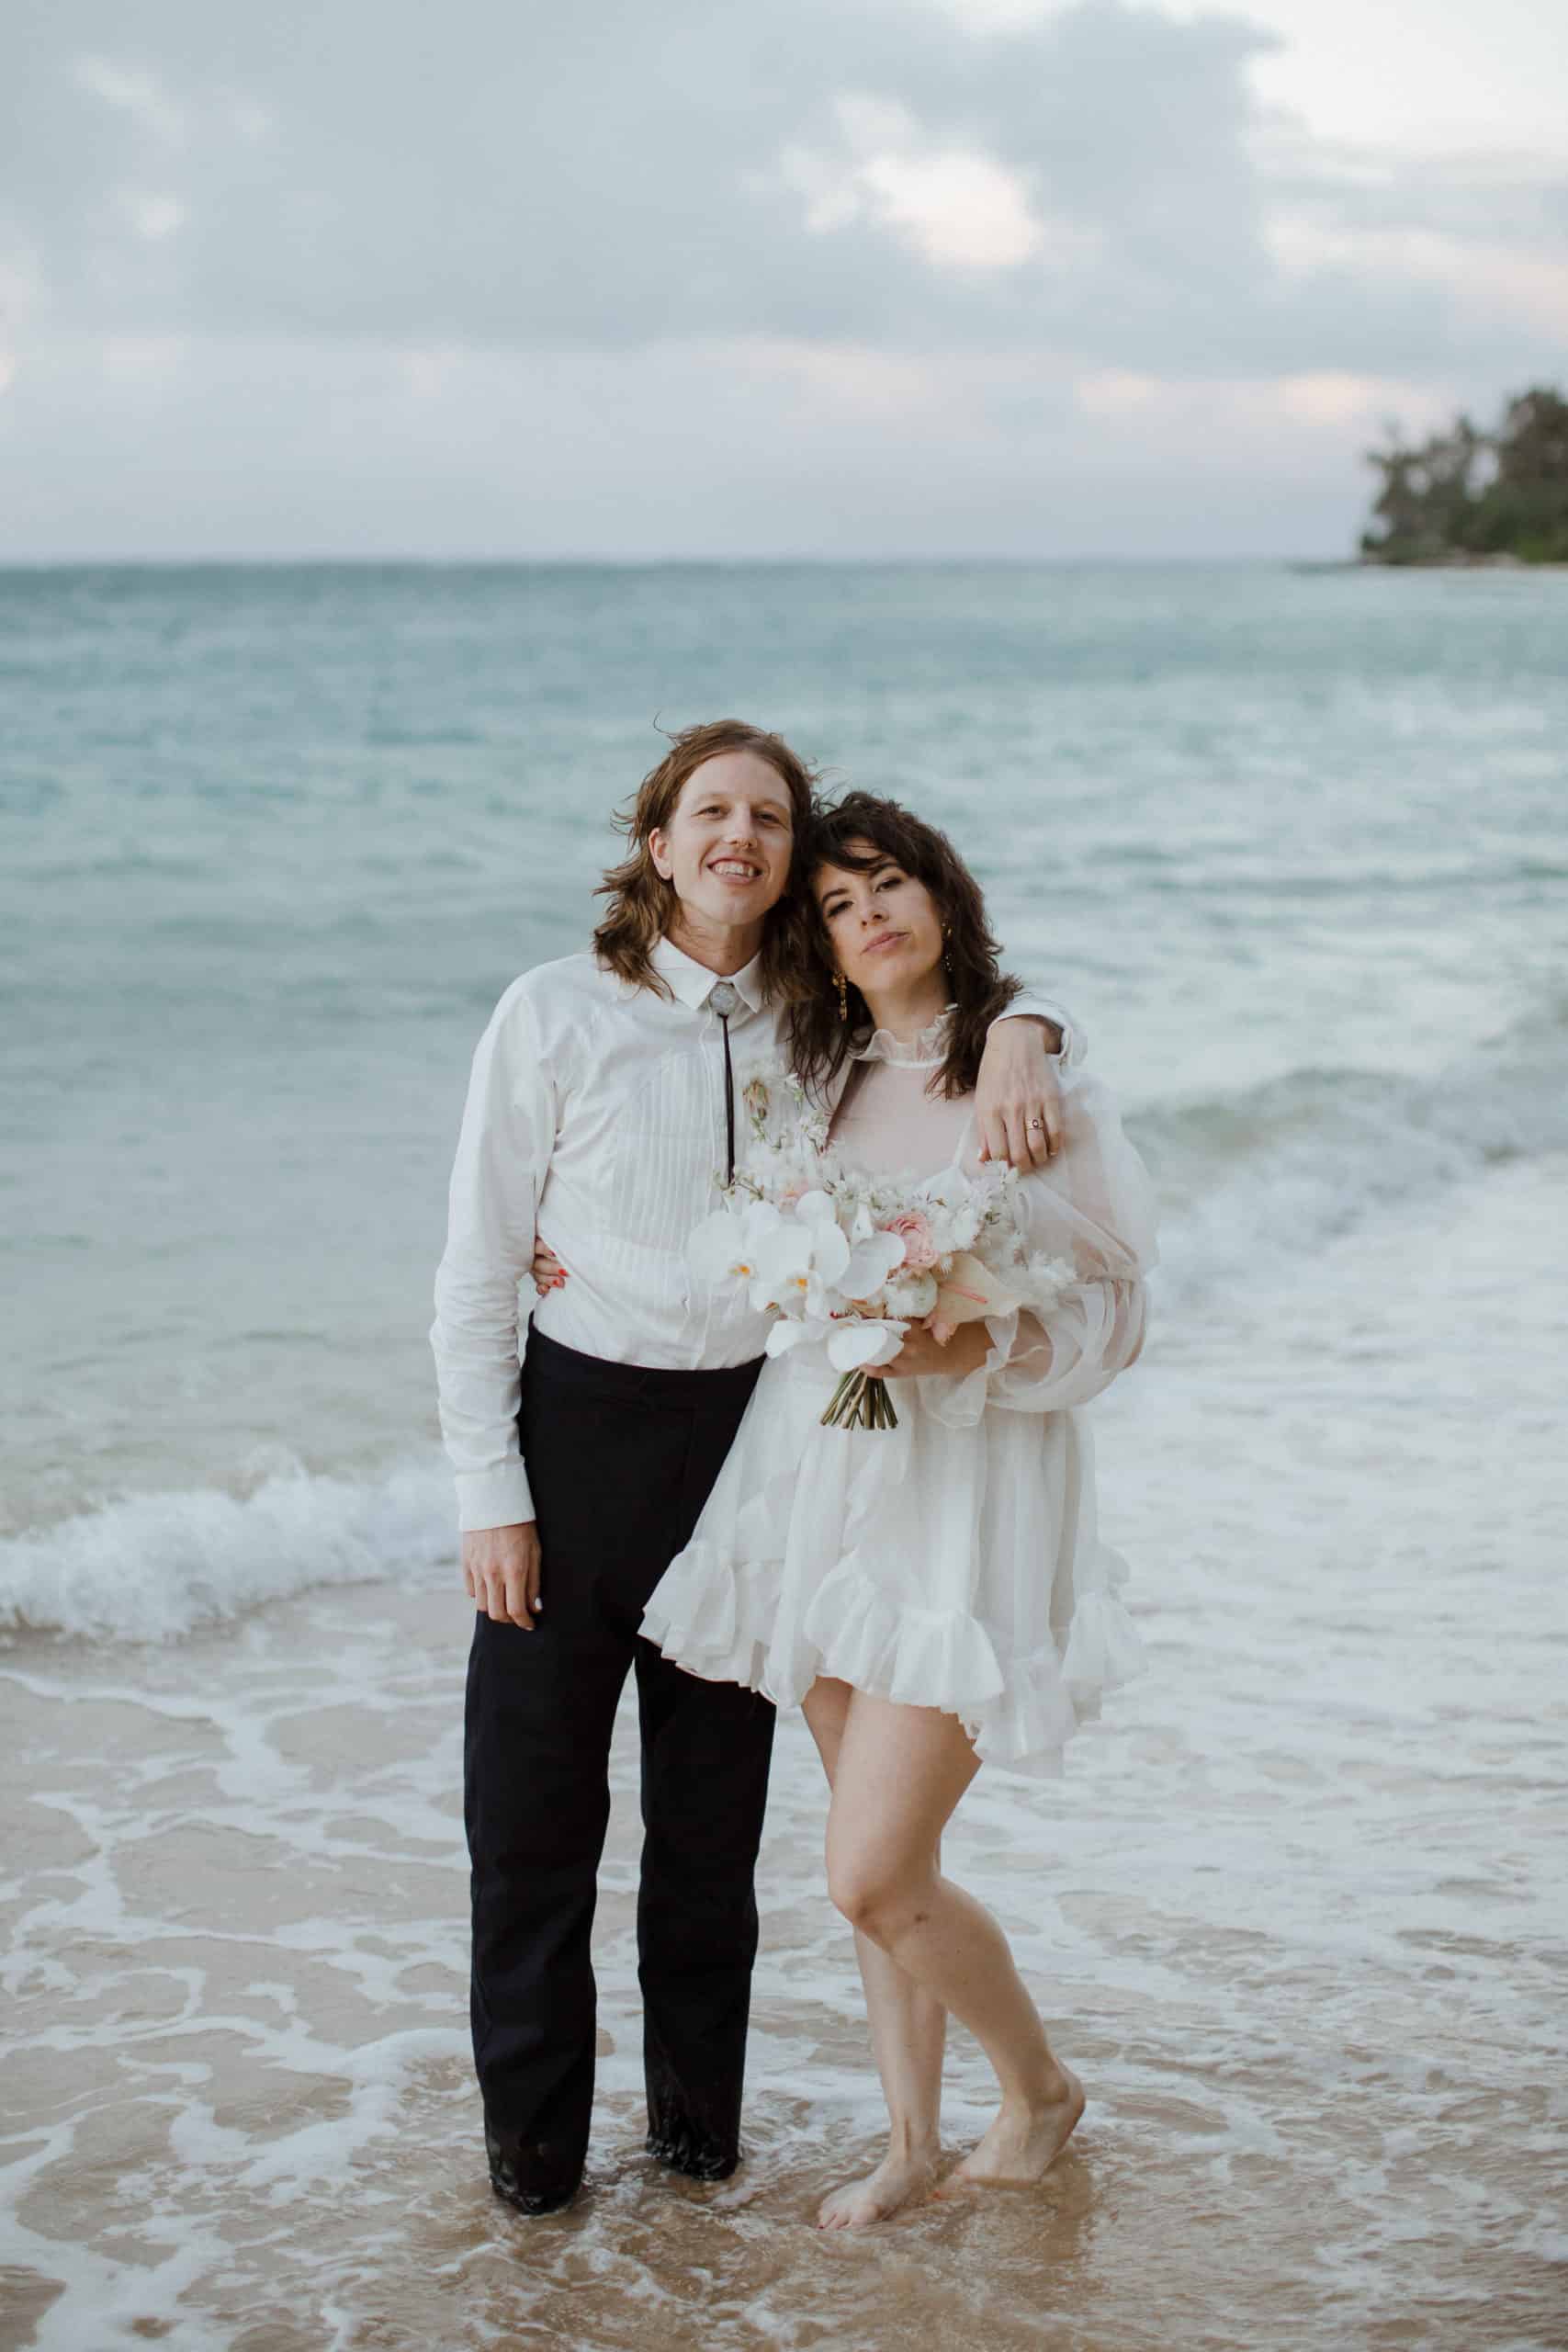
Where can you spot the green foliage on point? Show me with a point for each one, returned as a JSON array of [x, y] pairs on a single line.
[[1470, 497]]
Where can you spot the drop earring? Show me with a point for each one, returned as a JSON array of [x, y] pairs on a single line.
[[842, 986]]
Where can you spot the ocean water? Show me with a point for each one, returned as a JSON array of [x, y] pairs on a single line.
[[1293, 845]]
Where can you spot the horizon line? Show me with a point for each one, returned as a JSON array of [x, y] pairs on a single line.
[[167, 562]]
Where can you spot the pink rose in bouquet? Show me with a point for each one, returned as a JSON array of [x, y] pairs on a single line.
[[920, 1252]]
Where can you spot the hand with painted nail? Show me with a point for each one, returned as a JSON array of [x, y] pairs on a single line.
[[547, 1269]]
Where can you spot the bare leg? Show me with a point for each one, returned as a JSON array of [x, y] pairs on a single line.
[[898, 1773], [909, 2030]]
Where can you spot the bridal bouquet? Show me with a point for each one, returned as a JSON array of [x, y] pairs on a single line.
[[852, 1260]]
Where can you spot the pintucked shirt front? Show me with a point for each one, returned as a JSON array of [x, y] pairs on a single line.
[[596, 1120]]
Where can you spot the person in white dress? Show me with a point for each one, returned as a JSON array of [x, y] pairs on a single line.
[[934, 1596]]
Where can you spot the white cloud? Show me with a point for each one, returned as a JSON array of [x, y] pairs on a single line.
[[152, 215], [135, 91], [958, 211], [1417, 77], [955, 208], [541, 454], [1485, 283], [1324, 409], [428, 372], [1331, 400], [254, 123], [1115, 392], [144, 361], [836, 274]]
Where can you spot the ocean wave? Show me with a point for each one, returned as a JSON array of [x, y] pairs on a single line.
[[1257, 1187], [1260, 1181], [150, 1568]]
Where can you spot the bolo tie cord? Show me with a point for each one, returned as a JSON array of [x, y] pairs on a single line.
[[724, 999], [729, 1106]]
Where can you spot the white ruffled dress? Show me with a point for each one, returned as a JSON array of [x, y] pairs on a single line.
[[953, 1562]]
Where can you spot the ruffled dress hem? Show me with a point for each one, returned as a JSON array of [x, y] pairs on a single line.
[[712, 1618]]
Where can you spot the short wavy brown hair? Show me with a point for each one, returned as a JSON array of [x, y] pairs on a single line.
[[820, 1043], [642, 903]]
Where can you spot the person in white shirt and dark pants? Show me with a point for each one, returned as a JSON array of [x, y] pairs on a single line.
[[602, 1111]]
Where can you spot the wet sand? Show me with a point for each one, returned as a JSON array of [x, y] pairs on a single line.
[[1296, 1915]]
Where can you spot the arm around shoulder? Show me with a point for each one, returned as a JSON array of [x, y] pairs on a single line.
[[1066, 1038]]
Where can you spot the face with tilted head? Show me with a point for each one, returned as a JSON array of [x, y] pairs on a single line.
[[883, 927]]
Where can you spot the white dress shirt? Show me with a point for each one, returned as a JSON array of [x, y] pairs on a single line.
[[596, 1120]]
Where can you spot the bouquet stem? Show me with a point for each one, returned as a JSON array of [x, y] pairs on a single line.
[[861, 1402]]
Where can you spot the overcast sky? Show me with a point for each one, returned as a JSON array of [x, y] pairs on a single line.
[[832, 277]]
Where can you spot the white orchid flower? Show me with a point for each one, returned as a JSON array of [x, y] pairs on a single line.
[[816, 1219], [818, 1211], [725, 1246], [862, 1344], [786, 1334], [871, 1261], [798, 1263]]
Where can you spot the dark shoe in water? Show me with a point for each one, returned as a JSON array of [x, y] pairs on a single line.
[[529, 2179], [684, 2150]]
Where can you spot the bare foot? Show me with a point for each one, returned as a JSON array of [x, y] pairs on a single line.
[[1021, 2143], [896, 2179]]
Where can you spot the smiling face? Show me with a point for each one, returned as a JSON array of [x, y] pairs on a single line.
[[726, 845], [884, 929]]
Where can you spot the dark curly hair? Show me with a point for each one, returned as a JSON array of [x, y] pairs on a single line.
[[819, 1042]]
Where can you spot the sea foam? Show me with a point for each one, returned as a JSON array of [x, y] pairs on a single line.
[[152, 1566]]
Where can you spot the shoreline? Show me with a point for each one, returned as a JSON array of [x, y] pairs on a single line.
[[1308, 566]]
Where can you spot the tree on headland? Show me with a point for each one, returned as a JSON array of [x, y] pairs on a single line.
[[1468, 496]]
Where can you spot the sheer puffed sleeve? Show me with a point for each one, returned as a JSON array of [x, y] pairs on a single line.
[[1088, 1221]]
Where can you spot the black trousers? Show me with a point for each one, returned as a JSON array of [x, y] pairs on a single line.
[[620, 1460]]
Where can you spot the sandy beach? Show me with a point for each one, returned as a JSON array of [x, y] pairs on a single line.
[[1296, 1915]]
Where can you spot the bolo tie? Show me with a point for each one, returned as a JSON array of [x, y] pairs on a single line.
[[724, 1000]]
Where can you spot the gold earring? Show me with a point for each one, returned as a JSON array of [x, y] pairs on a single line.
[[842, 986]]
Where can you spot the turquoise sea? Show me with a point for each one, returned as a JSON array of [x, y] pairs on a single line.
[[1293, 844]]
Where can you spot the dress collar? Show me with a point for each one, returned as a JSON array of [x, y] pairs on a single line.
[[692, 983], [924, 1052]]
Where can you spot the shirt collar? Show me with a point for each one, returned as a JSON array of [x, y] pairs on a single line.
[[692, 983]]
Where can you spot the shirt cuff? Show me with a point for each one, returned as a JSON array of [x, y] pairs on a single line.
[[1030, 1007], [498, 1498]]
